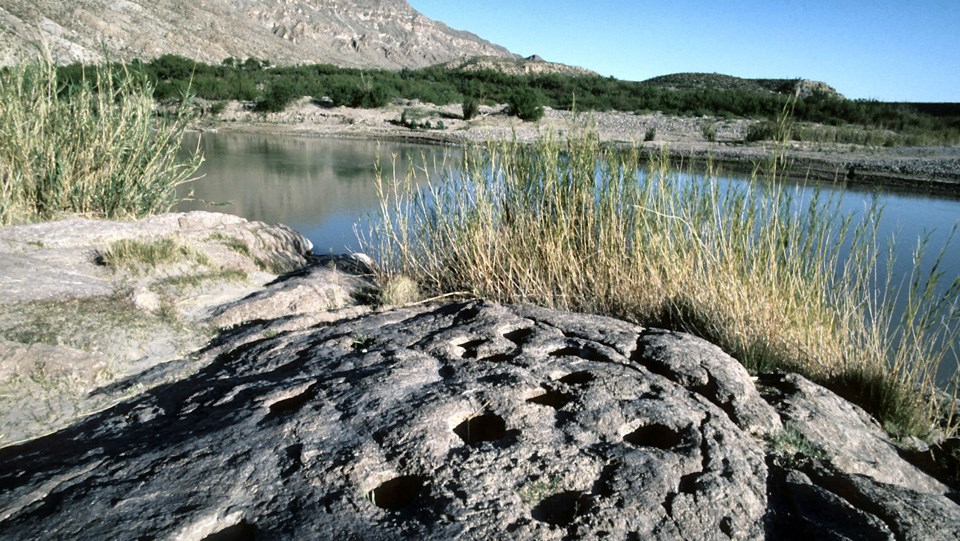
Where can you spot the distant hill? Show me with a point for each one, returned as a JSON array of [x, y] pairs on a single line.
[[531, 65], [716, 81], [350, 33]]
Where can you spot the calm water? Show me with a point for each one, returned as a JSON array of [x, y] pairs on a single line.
[[322, 187]]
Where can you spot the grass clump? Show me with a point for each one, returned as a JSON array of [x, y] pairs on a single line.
[[758, 269], [791, 448], [398, 290], [194, 281], [136, 256], [93, 147], [88, 324], [233, 243]]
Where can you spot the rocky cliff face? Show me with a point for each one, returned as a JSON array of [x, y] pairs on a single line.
[[352, 33]]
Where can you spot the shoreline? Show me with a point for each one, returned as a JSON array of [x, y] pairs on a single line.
[[934, 170]]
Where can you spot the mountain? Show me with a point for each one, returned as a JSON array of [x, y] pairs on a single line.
[[531, 65], [351, 33], [716, 81]]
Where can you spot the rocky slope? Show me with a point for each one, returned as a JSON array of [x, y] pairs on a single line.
[[352, 33], [716, 81], [304, 418]]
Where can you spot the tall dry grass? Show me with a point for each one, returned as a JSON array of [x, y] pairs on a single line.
[[94, 149], [779, 279]]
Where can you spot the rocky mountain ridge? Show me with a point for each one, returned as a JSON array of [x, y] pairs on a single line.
[[351, 33]]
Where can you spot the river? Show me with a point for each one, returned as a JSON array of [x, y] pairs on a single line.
[[322, 187]]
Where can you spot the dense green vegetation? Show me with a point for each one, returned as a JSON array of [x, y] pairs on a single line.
[[577, 225], [272, 88], [89, 143]]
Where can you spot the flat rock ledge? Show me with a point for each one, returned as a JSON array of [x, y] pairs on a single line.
[[471, 420]]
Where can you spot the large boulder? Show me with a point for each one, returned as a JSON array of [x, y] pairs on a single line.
[[72, 319], [469, 420]]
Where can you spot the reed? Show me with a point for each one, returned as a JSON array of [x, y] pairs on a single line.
[[95, 148], [758, 269]]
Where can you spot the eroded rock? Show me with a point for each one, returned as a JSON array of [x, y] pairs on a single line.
[[73, 314], [469, 420], [428, 422]]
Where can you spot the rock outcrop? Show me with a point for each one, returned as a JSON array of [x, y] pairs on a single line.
[[71, 322], [352, 33], [470, 420]]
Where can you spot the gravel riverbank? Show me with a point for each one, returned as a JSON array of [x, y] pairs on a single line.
[[935, 169]]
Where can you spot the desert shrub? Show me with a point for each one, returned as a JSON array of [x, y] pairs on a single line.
[[524, 103], [709, 131], [761, 131], [278, 95], [470, 107]]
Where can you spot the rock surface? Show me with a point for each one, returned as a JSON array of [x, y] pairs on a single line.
[[470, 421], [352, 33], [69, 323]]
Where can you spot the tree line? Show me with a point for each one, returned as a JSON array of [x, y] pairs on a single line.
[[272, 88]]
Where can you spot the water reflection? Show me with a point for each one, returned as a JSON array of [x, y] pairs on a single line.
[[320, 187]]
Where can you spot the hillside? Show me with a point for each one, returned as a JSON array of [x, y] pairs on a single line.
[[716, 81], [350, 33]]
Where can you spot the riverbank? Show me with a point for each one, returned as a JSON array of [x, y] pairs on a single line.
[[688, 139]]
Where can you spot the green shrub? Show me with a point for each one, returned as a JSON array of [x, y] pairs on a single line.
[[470, 107], [525, 104], [650, 134], [91, 147], [709, 131], [280, 94], [761, 131]]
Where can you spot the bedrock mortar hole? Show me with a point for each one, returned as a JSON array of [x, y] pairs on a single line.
[[577, 378], [654, 435], [519, 336], [470, 348], [554, 399], [241, 531], [292, 404], [561, 509], [486, 427], [497, 358], [397, 493]]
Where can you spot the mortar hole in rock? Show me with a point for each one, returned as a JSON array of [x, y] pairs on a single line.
[[292, 404], [561, 509], [654, 435], [554, 399], [577, 378], [569, 351], [241, 531], [497, 358], [519, 336], [397, 493], [470, 348], [487, 427]]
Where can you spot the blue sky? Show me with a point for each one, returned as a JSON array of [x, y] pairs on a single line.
[[907, 50]]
